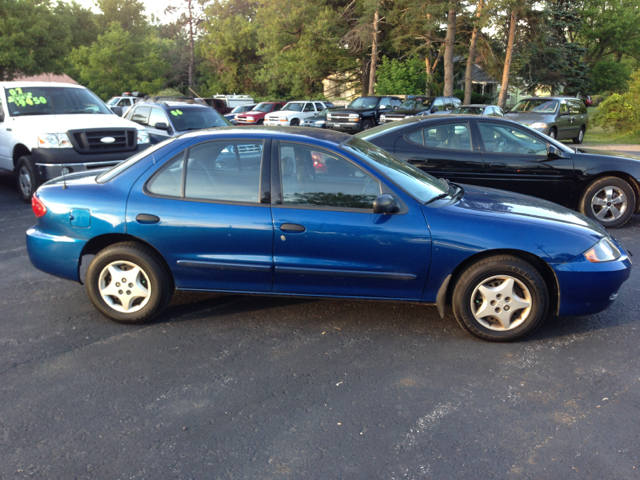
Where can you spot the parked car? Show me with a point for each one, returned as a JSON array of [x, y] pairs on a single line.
[[50, 129], [479, 109], [169, 119], [319, 120], [120, 105], [226, 103], [558, 117], [293, 113], [239, 110], [361, 114], [586, 99], [418, 105], [198, 213], [499, 153], [256, 115]]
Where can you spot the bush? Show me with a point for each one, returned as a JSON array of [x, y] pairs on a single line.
[[597, 99], [476, 98], [397, 77]]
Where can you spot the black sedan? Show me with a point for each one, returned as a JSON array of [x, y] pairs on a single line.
[[499, 153]]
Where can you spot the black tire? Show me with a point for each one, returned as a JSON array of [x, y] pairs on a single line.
[[367, 124], [260, 122], [158, 280], [496, 272], [553, 133], [294, 123], [580, 138], [27, 177], [595, 194]]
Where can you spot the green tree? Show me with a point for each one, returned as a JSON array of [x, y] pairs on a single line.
[[622, 112], [116, 62], [129, 14], [32, 39], [610, 76], [401, 77]]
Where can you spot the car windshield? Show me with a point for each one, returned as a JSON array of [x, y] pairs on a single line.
[[121, 167], [113, 100], [364, 102], [190, 118], [293, 107], [420, 185], [22, 101], [238, 109], [468, 111], [263, 107], [415, 103], [538, 106]]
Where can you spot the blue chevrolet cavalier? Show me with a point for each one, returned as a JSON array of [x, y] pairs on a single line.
[[317, 213]]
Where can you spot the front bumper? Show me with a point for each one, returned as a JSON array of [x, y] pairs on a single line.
[[587, 288], [55, 254], [345, 126], [272, 123], [51, 161]]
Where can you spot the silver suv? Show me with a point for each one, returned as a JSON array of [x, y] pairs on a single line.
[[559, 117]]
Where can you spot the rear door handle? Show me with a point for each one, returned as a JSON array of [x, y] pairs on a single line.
[[292, 228], [498, 165], [145, 218]]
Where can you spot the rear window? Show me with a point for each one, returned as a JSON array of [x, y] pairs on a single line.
[[189, 118]]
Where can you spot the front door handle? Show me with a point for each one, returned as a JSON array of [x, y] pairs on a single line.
[[498, 165], [292, 228], [417, 160], [147, 219]]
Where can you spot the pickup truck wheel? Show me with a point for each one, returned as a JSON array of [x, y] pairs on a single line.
[[295, 122], [578, 140], [610, 201], [260, 122], [367, 124], [27, 177]]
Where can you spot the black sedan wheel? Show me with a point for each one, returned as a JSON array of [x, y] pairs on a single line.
[[610, 201], [128, 284], [501, 298]]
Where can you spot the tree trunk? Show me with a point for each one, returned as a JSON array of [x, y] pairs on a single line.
[[374, 54], [191, 53], [502, 98], [468, 85], [364, 77], [449, 43]]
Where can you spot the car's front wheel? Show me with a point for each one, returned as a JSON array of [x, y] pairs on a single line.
[[367, 124], [128, 283], [610, 201], [27, 177], [501, 298], [295, 122]]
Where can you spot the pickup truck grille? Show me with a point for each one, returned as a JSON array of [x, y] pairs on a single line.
[[91, 141], [338, 116]]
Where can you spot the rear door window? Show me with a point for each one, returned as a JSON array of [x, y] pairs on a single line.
[[450, 136], [141, 115]]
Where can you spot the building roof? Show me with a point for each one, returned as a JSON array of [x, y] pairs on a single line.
[[48, 77]]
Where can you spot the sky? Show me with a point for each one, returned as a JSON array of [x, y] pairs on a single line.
[[155, 7]]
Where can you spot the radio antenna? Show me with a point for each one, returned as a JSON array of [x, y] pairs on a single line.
[[64, 180]]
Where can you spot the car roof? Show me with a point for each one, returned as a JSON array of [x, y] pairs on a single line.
[[39, 84], [171, 105], [277, 133], [477, 105], [550, 98]]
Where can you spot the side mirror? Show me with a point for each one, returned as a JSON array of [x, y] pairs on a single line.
[[384, 203], [553, 151], [161, 126], [434, 109]]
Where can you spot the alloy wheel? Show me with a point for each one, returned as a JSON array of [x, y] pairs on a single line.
[[609, 204]]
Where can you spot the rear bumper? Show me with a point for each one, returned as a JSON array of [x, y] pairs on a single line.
[[587, 288], [50, 161], [56, 255]]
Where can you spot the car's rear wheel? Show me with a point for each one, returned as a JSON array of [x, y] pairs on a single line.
[[501, 298], [128, 283], [295, 122], [610, 201], [578, 140], [553, 133], [27, 177]]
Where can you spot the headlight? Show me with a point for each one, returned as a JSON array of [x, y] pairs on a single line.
[[539, 125], [321, 122], [54, 140], [603, 251], [143, 136], [383, 118], [329, 116], [251, 119]]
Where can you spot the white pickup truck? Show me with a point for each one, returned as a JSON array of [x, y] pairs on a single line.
[[50, 129]]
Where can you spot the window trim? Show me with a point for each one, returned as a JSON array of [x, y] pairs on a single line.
[[276, 181], [264, 186]]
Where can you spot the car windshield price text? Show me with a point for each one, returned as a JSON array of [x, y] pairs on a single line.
[[17, 96]]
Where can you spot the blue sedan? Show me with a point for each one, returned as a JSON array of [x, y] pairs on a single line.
[[316, 213]]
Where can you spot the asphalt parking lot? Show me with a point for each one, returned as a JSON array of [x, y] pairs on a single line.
[[241, 387]]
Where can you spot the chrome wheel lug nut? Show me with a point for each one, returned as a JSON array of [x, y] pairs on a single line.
[[128, 292], [117, 284], [131, 285]]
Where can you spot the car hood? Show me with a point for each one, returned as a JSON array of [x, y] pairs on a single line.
[[253, 114], [607, 153], [529, 118], [405, 111], [63, 123], [491, 202], [354, 110]]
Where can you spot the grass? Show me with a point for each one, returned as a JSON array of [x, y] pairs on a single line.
[[598, 136]]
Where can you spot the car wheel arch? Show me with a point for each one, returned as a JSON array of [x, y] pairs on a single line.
[[19, 150], [633, 182], [543, 268], [100, 242]]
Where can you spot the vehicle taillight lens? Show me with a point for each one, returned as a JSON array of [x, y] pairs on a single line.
[[38, 207]]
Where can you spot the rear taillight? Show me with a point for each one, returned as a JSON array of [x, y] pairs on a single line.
[[38, 207]]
